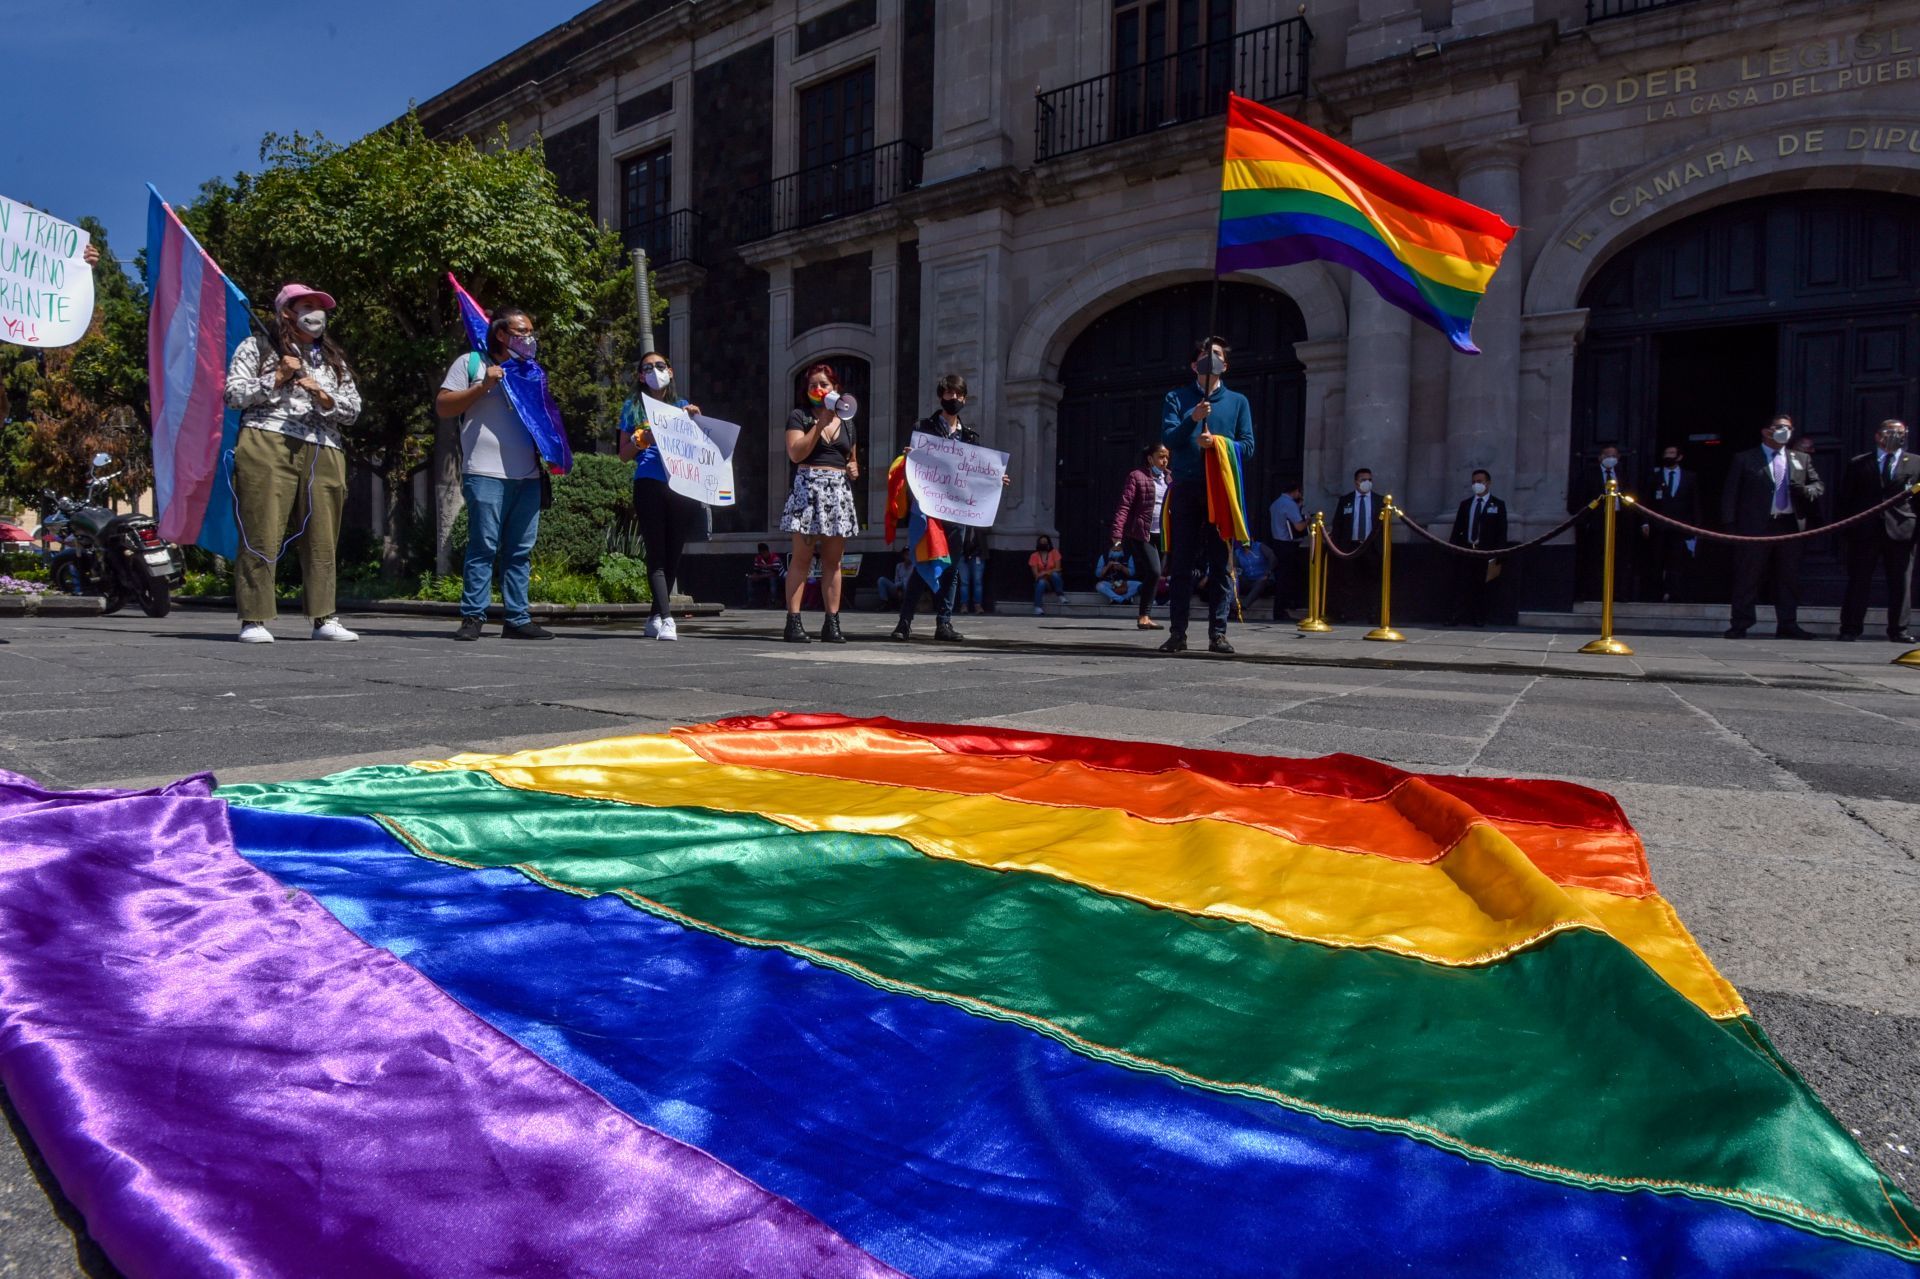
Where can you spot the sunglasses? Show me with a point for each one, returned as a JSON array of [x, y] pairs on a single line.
[[661, 367]]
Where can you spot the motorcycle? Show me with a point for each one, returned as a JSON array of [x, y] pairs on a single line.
[[121, 558]]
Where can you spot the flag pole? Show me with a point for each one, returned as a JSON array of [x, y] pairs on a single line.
[[1213, 299]]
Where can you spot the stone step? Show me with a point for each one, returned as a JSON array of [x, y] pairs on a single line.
[[1676, 619]]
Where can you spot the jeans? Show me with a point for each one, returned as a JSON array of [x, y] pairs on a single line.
[[503, 518], [973, 572], [1195, 541], [1117, 594], [1044, 583], [942, 598]]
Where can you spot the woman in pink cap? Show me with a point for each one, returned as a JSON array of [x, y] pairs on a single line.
[[289, 463]]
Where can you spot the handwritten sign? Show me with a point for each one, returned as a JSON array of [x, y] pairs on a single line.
[[46, 287], [698, 452], [954, 482]]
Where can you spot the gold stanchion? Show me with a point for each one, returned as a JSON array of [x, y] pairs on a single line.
[[1910, 658], [1315, 622], [1385, 630], [1607, 643]]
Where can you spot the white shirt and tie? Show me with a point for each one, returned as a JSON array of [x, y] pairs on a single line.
[[1362, 516], [1670, 479], [1473, 519], [1889, 463], [1779, 468]]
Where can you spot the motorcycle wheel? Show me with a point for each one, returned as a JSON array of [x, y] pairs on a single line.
[[64, 574], [155, 597], [115, 600]]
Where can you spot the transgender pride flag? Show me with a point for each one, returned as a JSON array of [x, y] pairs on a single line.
[[196, 319]]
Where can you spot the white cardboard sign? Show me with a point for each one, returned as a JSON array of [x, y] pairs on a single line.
[[956, 483], [698, 452], [46, 287]]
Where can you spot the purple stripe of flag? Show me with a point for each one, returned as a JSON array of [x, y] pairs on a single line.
[[226, 1081]]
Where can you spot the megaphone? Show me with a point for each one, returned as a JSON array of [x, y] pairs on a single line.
[[845, 407]]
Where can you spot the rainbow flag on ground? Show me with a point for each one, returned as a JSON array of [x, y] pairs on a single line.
[[811, 995], [1289, 193], [196, 319]]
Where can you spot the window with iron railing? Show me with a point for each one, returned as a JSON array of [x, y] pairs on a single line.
[[1188, 83], [1599, 10], [824, 192], [672, 237]]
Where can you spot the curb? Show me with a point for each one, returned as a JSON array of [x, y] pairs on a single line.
[[51, 606], [681, 605]]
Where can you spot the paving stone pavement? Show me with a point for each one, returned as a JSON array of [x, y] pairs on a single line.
[[1773, 782]]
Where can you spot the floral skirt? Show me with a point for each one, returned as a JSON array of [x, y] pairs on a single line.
[[820, 505]]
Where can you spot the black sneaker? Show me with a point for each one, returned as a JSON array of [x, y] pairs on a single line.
[[796, 633], [1174, 644], [945, 631], [469, 628], [532, 630], [1218, 644], [902, 632]]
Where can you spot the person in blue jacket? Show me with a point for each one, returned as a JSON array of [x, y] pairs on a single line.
[[666, 518], [1193, 415]]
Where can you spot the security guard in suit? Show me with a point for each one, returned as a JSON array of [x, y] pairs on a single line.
[[1355, 519], [1481, 525], [1885, 544], [1770, 490], [1673, 491]]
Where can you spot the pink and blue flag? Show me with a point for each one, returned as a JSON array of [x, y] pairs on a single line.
[[196, 319], [526, 386]]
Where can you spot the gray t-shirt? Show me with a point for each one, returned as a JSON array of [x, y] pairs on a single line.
[[493, 440]]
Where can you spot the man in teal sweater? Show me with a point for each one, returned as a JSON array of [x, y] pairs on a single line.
[[1193, 415]]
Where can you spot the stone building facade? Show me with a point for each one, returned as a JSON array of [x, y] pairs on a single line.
[[1716, 203]]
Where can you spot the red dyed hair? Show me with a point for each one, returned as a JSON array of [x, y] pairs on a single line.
[[833, 379]]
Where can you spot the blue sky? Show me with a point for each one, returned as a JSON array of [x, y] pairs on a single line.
[[108, 95]]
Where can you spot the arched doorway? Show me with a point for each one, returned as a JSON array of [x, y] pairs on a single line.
[[1805, 303], [1117, 373]]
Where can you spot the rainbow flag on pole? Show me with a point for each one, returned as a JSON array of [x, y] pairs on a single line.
[[1289, 193], [812, 995], [196, 319]]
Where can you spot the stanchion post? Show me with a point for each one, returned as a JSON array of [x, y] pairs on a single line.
[[1606, 643], [1385, 630], [1315, 622]]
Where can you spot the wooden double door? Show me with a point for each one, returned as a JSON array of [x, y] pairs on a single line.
[[1805, 304]]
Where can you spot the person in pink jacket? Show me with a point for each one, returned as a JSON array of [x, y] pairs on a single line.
[[1136, 524]]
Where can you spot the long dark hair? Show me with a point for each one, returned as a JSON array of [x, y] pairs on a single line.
[[292, 340]]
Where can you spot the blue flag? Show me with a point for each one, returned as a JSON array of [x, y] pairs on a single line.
[[526, 387]]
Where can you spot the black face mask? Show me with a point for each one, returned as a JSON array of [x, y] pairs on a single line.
[[950, 407], [1669, 462]]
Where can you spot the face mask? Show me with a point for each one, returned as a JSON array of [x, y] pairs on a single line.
[[526, 348], [1209, 366], [657, 379], [1780, 435], [312, 323], [1669, 462], [950, 407], [1365, 486], [1479, 488], [1890, 443], [1608, 463]]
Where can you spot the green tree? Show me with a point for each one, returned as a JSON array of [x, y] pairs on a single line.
[[378, 224]]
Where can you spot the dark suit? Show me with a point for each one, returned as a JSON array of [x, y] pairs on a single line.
[[1885, 544], [1481, 530], [1591, 539], [1354, 592], [1675, 493], [1746, 508]]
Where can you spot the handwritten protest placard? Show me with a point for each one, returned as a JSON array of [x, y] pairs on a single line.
[[698, 452], [954, 482], [46, 287]]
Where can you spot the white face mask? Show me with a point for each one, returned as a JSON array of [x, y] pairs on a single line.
[[1365, 486], [1479, 488], [657, 379], [1608, 463], [312, 323], [1780, 434]]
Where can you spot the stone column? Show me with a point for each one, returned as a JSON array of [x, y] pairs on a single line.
[[879, 416], [779, 392], [1325, 362], [1029, 430], [1483, 391], [1379, 365], [1538, 491]]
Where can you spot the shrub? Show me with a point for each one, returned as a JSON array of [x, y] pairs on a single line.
[[550, 586], [623, 579], [595, 496], [444, 589]]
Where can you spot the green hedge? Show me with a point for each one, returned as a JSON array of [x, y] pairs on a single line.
[[595, 496]]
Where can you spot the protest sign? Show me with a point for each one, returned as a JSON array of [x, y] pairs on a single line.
[[956, 483], [46, 287], [698, 452]]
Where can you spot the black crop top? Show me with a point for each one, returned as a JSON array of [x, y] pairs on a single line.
[[833, 453]]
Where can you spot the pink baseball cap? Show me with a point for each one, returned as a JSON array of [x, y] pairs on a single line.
[[292, 293]]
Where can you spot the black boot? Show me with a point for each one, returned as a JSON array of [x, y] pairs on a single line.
[[902, 631], [830, 630], [943, 630], [796, 633]]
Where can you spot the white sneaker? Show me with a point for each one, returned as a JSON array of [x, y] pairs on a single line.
[[667, 630], [255, 633], [1038, 611], [332, 630], [653, 627]]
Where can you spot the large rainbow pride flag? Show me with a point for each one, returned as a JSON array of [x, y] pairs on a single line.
[[1289, 193], [811, 995]]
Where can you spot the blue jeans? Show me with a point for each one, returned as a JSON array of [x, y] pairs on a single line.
[[1044, 583], [503, 518], [973, 572]]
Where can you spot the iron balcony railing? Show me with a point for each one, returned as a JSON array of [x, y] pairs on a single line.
[[674, 237], [1265, 64], [1598, 10], [824, 192]]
